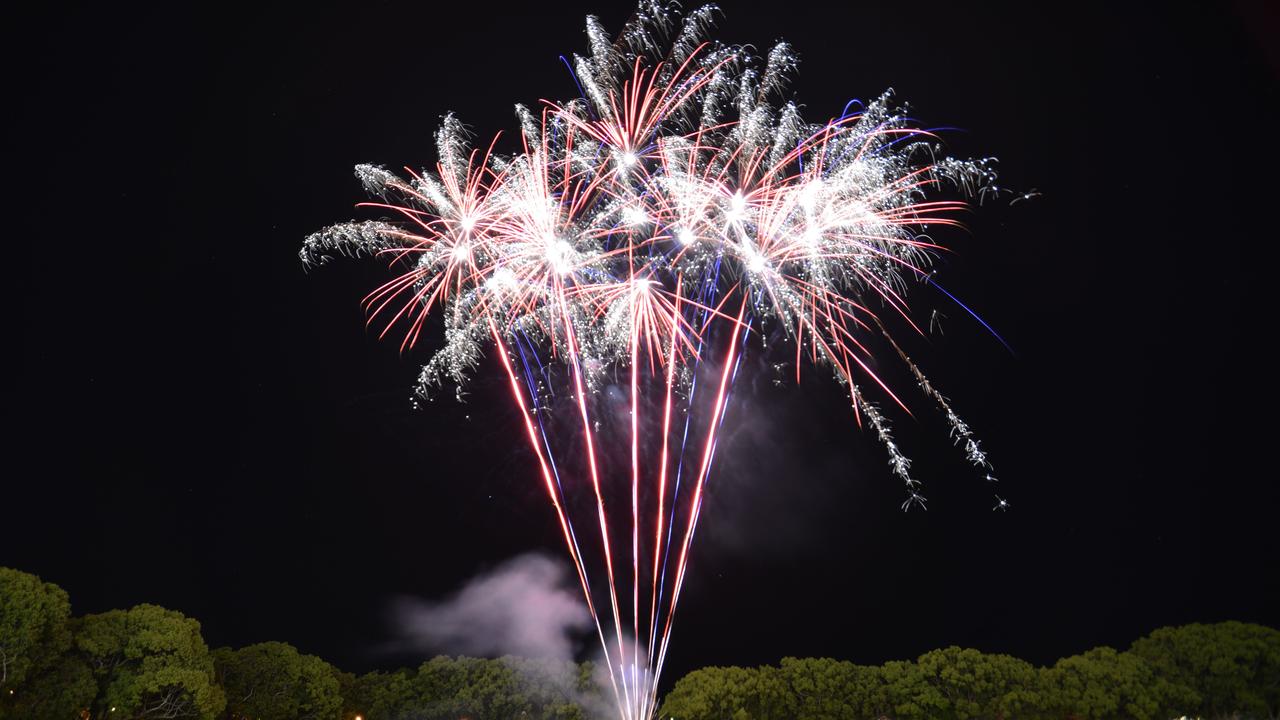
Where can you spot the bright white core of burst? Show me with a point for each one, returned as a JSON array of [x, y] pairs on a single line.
[[634, 216], [501, 279], [559, 253], [468, 224], [809, 195], [628, 158], [685, 236], [737, 206], [461, 252]]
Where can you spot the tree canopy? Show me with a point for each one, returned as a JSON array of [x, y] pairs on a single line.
[[273, 681], [508, 687], [1226, 667], [150, 663], [33, 626], [1211, 671]]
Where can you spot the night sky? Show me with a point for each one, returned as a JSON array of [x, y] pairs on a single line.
[[198, 422]]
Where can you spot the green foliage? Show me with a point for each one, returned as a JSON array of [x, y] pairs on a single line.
[[963, 684], [148, 662], [38, 676], [905, 693], [1103, 684], [62, 690], [1224, 669], [823, 689], [479, 689], [975, 685], [719, 692], [273, 681], [355, 691], [952, 684], [33, 626]]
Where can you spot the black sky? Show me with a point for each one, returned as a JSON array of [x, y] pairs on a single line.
[[198, 423]]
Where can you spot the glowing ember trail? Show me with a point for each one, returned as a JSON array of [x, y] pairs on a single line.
[[624, 259]]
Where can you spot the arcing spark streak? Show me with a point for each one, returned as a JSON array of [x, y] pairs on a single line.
[[619, 263]]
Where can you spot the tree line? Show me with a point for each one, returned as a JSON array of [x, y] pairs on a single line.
[[151, 663], [1223, 670]]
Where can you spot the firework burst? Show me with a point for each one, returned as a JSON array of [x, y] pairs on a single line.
[[621, 262]]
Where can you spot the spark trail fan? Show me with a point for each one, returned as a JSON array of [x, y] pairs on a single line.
[[622, 261]]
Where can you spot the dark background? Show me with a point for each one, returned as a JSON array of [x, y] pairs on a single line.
[[197, 422]]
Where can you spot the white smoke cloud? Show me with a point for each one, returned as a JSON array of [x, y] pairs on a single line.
[[527, 606]]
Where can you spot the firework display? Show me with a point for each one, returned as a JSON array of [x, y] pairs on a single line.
[[647, 234]]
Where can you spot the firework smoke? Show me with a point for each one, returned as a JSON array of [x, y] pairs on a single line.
[[522, 607]]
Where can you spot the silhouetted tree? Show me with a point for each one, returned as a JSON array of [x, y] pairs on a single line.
[[1103, 684], [1229, 668], [273, 681], [33, 626], [148, 663], [979, 685]]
